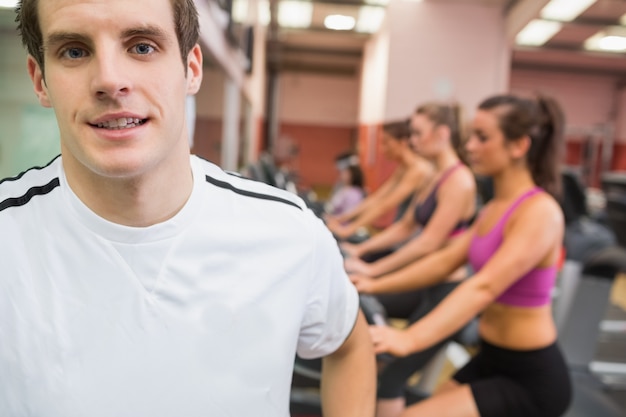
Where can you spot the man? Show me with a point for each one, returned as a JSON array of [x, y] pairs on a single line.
[[138, 280]]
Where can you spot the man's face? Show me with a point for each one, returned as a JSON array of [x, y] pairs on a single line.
[[115, 79]]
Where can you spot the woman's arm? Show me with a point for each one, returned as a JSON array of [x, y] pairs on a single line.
[[455, 198], [532, 237], [397, 232], [411, 180], [424, 272]]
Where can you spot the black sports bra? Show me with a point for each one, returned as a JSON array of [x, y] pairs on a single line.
[[425, 209]]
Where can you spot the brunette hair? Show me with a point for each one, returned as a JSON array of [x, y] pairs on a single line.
[[399, 129], [449, 115], [185, 23], [356, 175], [542, 120]]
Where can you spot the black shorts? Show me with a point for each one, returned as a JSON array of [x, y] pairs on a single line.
[[512, 383]]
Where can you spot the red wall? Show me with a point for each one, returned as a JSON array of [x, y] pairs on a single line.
[[619, 156], [317, 147]]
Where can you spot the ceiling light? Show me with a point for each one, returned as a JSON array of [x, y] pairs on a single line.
[[565, 10], [613, 39], [8, 4], [537, 32], [240, 10], [370, 18], [339, 22], [613, 43], [295, 14]]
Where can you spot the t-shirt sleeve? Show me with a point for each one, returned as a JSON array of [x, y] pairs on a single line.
[[332, 303]]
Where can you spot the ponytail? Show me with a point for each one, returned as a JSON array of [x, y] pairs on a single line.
[[542, 120], [457, 131], [545, 151]]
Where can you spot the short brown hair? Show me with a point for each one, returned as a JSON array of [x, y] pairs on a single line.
[[185, 22]]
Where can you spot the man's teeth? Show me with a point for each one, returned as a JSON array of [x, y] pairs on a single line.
[[121, 123]]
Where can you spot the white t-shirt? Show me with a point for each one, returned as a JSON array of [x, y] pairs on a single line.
[[201, 315]]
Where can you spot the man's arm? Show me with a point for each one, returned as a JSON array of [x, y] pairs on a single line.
[[349, 376]]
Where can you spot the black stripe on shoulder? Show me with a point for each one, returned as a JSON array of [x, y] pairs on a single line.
[[235, 174], [20, 201], [228, 186], [29, 169]]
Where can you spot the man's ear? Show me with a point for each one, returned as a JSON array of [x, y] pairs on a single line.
[[39, 84], [194, 70]]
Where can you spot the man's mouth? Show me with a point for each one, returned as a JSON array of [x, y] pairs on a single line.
[[121, 123]]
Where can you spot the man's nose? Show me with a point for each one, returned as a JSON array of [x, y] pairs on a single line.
[[110, 77]]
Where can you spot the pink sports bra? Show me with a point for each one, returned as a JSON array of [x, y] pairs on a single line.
[[531, 290]]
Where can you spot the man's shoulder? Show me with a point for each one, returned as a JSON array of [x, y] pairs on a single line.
[[19, 190], [246, 187]]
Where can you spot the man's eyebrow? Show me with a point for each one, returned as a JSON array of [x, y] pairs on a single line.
[[56, 38], [147, 31]]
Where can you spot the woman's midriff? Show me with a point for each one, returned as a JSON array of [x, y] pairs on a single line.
[[518, 328]]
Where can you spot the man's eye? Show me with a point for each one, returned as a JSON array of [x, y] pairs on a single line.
[[74, 53], [143, 48]]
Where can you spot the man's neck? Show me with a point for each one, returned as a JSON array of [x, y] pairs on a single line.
[[139, 202]]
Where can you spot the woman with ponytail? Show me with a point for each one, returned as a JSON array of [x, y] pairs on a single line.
[[514, 248], [440, 211]]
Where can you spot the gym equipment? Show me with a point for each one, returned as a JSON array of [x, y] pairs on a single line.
[[580, 305], [614, 187]]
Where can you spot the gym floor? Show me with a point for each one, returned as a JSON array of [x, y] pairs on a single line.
[[612, 348], [601, 395]]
